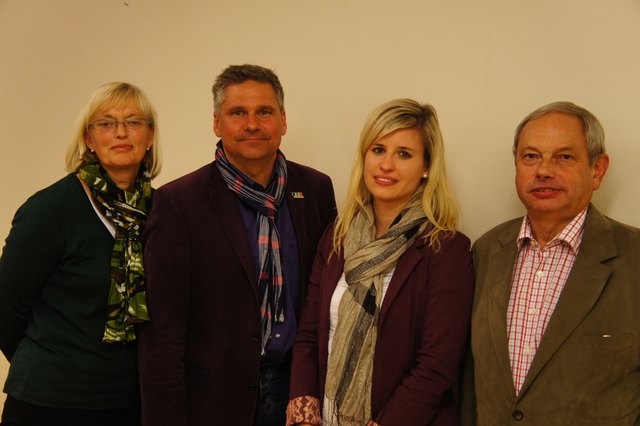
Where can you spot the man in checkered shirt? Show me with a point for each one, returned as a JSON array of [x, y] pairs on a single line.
[[557, 310]]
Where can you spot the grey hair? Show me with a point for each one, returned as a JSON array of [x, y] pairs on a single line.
[[593, 131], [236, 74]]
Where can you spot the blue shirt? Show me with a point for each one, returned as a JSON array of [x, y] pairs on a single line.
[[282, 334]]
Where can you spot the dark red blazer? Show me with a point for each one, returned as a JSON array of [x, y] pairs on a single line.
[[422, 333], [199, 357]]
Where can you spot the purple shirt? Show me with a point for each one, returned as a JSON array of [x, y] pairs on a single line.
[[282, 334]]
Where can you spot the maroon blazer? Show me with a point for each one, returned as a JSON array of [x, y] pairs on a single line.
[[199, 357], [422, 332]]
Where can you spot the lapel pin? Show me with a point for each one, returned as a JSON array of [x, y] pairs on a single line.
[[297, 195]]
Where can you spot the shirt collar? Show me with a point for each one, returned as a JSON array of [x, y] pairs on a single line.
[[570, 235]]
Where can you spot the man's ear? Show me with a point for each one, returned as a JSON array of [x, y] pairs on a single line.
[[599, 167]]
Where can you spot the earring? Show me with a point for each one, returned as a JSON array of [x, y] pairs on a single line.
[[424, 175], [148, 148], [91, 149]]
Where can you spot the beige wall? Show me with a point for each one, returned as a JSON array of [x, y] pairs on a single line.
[[483, 64]]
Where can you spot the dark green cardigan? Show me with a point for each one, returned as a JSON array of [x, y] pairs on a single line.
[[54, 283]]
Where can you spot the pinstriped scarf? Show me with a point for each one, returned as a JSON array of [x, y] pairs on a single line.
[[270, 277], [127, 212]]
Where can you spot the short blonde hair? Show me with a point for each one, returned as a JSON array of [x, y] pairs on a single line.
[[107, 96], [438, 202]]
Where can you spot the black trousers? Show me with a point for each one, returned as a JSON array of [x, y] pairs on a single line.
[[19, 413], [274, 394]]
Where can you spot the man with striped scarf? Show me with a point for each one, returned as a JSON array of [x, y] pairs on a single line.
[[228, 250]]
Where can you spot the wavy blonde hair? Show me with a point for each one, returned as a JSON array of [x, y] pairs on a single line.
[[107, 96], [438, 203]]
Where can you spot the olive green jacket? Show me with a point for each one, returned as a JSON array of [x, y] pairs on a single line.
[[586, 370]]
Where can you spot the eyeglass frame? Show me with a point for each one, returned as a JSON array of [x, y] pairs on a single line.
[[126, 123]]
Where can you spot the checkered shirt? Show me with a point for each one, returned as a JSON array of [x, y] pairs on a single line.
[[537, 282]]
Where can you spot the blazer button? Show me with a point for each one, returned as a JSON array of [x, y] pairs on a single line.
[[254, 339], [517, 415]]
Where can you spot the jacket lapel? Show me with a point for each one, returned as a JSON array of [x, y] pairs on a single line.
[[407, 261], [582, 290], [296, 200], [225, 207], [500, 271]]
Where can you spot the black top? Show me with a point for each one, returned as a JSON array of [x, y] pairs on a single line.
[[54, 283]]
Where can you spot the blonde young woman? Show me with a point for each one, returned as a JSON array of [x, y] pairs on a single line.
[[71, 273], [386, 319]]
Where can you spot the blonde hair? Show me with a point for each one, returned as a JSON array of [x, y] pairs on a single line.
[[438, 202], [108, 96]]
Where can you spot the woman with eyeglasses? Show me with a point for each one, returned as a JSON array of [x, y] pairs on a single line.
[[385, 323], [72, 276]]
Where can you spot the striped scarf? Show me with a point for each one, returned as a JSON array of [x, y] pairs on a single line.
[[367, 259], [270, 278], [127, 212]]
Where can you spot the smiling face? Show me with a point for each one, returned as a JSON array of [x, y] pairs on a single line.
[[251, 125], [553, 177], [119, 150], [394, 167]]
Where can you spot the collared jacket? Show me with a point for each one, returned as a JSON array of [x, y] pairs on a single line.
[[586, 370], [199, 357], [422, 332]]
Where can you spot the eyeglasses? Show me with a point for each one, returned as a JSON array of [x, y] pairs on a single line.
[[110, 124]]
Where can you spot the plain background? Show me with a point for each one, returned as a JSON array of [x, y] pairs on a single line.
[[484, 65]]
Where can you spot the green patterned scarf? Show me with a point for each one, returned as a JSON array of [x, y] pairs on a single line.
[[127, 212]]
